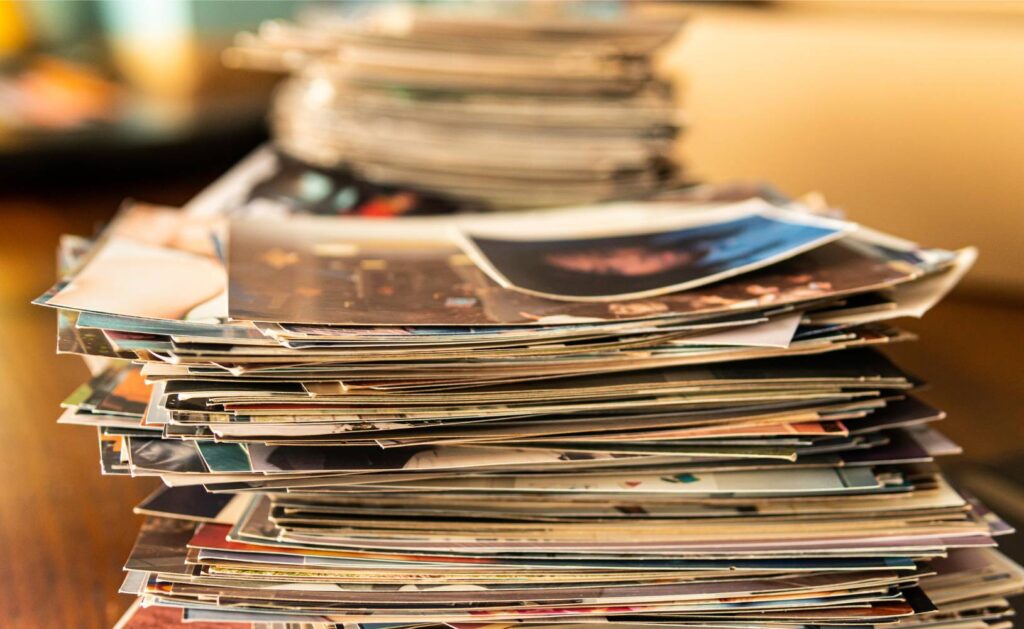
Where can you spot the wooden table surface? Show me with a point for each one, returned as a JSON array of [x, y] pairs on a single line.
[[65, 530]]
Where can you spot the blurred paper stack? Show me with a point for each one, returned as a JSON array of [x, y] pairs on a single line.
[[501, 112]]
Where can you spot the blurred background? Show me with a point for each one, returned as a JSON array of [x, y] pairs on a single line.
[[907, 115]]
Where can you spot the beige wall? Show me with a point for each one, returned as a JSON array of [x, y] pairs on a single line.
[[910, 119]]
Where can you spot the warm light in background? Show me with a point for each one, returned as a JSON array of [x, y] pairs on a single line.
[[908, 116]]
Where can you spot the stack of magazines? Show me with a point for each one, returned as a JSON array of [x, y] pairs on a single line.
[[502, 113], [639, 414]]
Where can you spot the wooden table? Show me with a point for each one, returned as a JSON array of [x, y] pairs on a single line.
[[65, 530]]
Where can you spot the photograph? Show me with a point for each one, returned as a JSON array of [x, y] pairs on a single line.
[[631, 266]]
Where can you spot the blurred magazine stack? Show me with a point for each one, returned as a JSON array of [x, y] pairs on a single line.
[[539, 110]]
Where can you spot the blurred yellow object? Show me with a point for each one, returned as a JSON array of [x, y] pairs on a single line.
[[14, 28], [155, 47]]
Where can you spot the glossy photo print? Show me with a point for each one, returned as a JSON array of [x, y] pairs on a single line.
[[647, 264]]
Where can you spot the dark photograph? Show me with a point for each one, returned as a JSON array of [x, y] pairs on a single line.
[[649, 264]]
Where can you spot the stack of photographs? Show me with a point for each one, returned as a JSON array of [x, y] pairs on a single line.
[[268, 182], [505, 111], [644, 414]]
